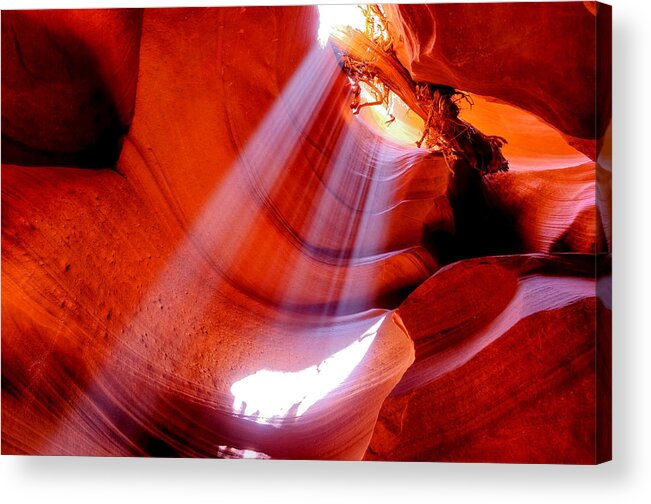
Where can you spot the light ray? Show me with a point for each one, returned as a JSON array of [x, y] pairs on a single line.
[[220, 230]]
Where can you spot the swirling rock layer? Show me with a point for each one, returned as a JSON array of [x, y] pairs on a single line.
[[508, 376]]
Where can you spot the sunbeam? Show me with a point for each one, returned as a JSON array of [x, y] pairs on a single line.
[[220, 231]]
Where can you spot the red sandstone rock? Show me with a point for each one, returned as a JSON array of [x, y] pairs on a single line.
[[68, 85], [508, 375], [230, 288], [189, 274], [556, 209], [539, 56]]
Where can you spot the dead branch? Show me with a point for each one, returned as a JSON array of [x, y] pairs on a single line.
[[369, 58]]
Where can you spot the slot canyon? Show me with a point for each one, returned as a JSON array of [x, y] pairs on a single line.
[[215, 245]]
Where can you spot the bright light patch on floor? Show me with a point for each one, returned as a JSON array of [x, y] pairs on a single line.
[[267, 397], [229, 452], [336, 16]]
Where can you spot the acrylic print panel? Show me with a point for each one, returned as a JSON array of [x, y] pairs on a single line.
[[337, 232]]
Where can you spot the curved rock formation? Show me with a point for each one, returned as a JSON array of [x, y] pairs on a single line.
[[67, 94], [262, 274], [543, 57], [508, 376]]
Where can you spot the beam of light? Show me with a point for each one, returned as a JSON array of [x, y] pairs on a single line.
[[328, 224], [265, 157], [221, 230], [361, 241], [222, 226], [269, 397], [345, 228], [373, 187], [332, 17]]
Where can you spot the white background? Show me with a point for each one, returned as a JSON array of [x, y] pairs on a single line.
[[626, 479]]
